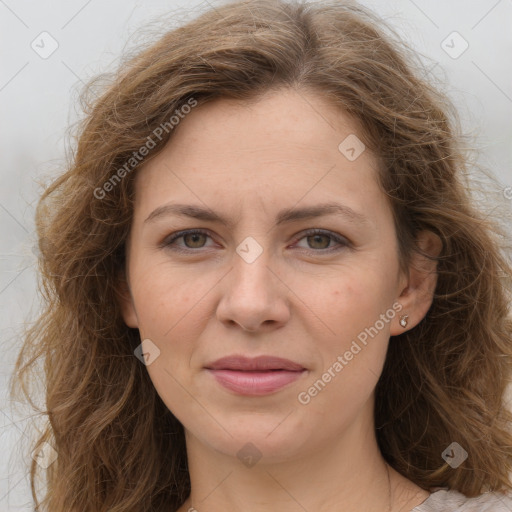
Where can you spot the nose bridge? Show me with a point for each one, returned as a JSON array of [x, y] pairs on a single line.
[[251, 263], [252, 295]]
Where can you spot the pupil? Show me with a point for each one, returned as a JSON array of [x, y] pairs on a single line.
[[316, 237], [195, 237]]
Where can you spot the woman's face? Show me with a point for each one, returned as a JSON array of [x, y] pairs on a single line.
[[260, 283]]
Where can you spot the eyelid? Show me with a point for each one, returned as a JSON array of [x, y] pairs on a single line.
[[176, 235], [342, 241], [339, 239]]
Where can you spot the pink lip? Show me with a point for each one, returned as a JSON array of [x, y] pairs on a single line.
[[255, 383], [261, 363], [255, 377]]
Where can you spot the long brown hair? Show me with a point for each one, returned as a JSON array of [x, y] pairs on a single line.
[[119, 448]]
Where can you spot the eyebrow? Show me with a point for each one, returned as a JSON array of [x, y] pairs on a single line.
[[283, 216]]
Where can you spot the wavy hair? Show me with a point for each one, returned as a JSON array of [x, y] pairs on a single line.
[[119, 448]]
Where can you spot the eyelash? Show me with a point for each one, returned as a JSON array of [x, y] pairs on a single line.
[[167, 243]]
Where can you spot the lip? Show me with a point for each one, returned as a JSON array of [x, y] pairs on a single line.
[[257, 376], [261, 363]]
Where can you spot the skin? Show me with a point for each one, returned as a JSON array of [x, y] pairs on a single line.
[[300, 299]]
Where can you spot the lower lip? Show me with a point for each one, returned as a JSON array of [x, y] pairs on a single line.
[[255, 383]]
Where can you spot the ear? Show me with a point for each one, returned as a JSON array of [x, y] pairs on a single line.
[[417, 289], [125, 300]]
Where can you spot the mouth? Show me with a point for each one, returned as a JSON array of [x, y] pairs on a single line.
[[257, 376]]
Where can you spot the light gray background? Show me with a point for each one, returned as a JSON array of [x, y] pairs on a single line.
[[38, 102]]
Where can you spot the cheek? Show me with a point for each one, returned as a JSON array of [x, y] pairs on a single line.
[[352, 358], [166, 299], [359, 312], [167, 308], [167, 313], [356, 300]]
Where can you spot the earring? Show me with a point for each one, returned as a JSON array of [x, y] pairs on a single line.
[[404, 320]]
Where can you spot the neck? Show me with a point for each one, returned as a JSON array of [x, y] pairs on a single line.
[[350, 471]]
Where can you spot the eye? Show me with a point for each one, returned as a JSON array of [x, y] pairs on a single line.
[[320, 240], [194, 239]]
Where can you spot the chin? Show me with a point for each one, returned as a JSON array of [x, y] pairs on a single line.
[[264, 437]]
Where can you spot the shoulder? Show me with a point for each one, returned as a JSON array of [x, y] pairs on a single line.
[[444, 500]]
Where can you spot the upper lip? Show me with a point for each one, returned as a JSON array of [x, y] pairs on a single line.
[[261, 363]]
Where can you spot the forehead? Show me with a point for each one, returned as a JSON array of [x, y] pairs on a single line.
[[288, 144], [278, 121]]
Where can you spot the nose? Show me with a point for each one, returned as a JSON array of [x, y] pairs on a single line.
[[253, 296]]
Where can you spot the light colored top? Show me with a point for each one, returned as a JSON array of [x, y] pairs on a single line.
[[444, 500]]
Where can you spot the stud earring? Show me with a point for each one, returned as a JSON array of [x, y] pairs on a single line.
[[404, 320]]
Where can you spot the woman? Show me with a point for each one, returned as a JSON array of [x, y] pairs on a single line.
[[267, 286]]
